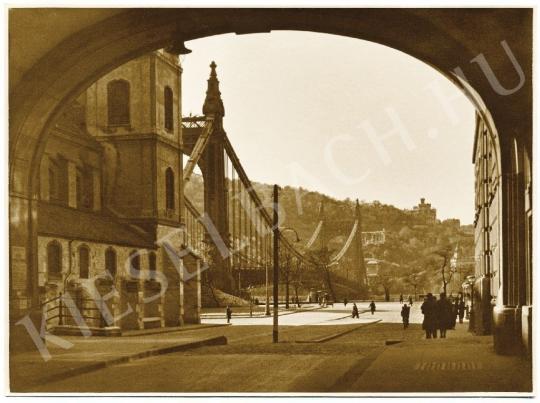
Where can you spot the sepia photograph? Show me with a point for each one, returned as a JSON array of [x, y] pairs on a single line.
[[271, 201]]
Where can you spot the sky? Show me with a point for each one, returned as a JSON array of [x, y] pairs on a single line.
[[342, 116]]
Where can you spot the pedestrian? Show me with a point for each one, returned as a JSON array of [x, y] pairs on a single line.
[[355, 311], [401, 298], [345, 301], [372, 307], [455, 309], [429, 309], [229, 314], [405, 312], [410, 300], [445, 313], [461, 310]]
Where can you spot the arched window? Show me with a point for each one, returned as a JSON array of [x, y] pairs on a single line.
[[118, 102], [152, 263], [169, 189], [135, 263], [110, 261], [54, 259], [55, 180], [53, 184], [84, 262], [168, 105], [83, 188]]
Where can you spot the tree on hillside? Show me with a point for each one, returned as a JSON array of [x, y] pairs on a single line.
[[387, 277], [437, 260], [415, 278]]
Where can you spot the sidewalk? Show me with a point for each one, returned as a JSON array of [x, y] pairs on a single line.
[[82, 355], [460, 363]]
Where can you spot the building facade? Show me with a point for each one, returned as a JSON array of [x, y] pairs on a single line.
[[502, 290], [111, 205], [423, 213]]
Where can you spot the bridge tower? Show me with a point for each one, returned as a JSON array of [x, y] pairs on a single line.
[[212, 165]]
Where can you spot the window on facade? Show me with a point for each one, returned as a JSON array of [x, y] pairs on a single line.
[[54, 181], [168, 104], [169, 189], [84, 262], [135, 263], [54, 259], [110, 261], [84, 189], [118, 102], [152, 262]]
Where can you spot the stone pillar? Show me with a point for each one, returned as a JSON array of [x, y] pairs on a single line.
[[181, 293], [199, 293], [72, 184], [23, 266]]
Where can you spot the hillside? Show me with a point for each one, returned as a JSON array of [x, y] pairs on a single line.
[[410, 249]]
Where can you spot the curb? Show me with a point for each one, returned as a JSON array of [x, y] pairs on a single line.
[[339, 334], [212, 341], [180, 329]]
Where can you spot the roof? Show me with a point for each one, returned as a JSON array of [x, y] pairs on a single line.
[[65, 222]]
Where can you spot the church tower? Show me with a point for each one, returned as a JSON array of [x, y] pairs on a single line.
[[134, 112]]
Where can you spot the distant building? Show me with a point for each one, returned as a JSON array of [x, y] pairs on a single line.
[[423, 213], [373, 238], [372, 270], [452, 223]]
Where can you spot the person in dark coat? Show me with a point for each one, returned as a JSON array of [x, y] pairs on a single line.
[[229, 314], [455, 308], [401, 298], [430, 323], [355, 311], [461, 310], [405, 312], [345, 301], [410, 300], [372, 307], [446, 315]]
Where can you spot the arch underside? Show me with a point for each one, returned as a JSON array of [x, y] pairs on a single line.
[[46, 75]]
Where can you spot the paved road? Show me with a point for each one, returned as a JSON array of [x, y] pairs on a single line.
[[251, 363], [333, 315]]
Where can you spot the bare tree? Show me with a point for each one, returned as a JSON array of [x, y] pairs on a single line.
[[415, 279], [386, 279], [286, 275]]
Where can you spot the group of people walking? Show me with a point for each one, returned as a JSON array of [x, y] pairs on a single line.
[[410, 299], [355, 313], [441, 315]]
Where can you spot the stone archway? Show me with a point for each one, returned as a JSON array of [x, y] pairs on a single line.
[[82, 45]]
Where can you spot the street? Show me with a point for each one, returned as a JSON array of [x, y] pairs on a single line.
[[328, 353]]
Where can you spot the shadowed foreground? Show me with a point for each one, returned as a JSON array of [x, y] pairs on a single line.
[[358, 361]]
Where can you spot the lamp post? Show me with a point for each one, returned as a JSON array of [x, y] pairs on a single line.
[[267, 291], [250, 301]]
